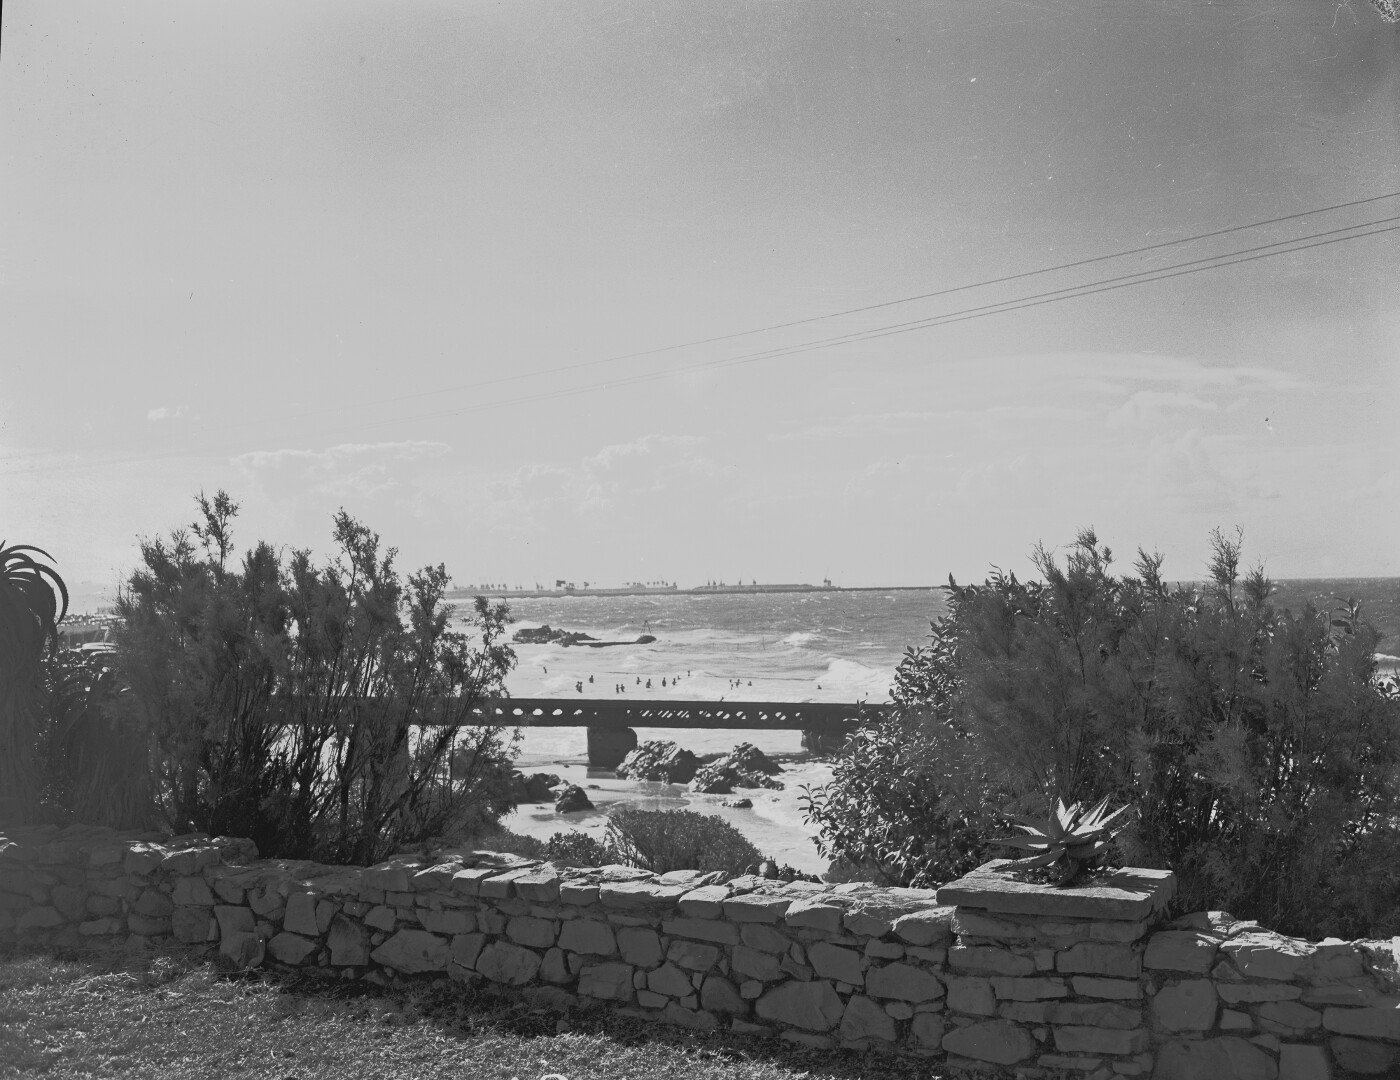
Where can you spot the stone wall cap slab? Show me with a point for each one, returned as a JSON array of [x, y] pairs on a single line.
[[639, 895], [1128, 893]]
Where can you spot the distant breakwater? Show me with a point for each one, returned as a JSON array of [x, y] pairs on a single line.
[[699, 590]]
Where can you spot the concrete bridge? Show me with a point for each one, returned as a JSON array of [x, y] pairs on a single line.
[[824, 725]]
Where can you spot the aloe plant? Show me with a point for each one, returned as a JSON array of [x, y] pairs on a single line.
[[1070, 841], [30, 612]]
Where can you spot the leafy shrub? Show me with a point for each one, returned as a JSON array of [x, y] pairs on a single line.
[[33, 600], [317, 710], [666, 840], [580, 849], [1261, 750], [95, 752]]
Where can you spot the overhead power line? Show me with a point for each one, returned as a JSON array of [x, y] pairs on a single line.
[[1143, 277], [1122, 281]]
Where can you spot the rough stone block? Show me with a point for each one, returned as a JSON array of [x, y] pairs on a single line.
[[242, 950], [233, 920], [191, 891], [689, 1017], [1189, 1005], [389, 876], [719, 995], [1098, 1040], [608, 981], [1012, 989], [971, 994], [722, 933], [864, 1019], [755, 964], [692, 955], [588, 936], [468, 882], [528, 930], [670, 980], [812, 1006], [540, 886], [348, 943], [1365, 1056], [1099, 958], [1380, 1020], [153, 904], [102, 927], [414, 951], [1299, 1062], [1181, 950], [764, 938], [1262, 954], [194, 925], [1213, 1059], [931, 926], [999, 1041], [287, 948], [1129, 894], [756, 908], [40, 918], [639, 946], [1287, 1017], [1234, 1020], [381, 918], [834, 962], [705, 902], [1235, 993], [1338, 994], [452, 921], [300, 917], [904, 982], [640, 896], [1114, 989], [815, 914], [989, 960], [510, 964], [68, 900], [147, 926]]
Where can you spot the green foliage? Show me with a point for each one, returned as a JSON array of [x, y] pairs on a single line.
[[579, 849], [1259, 747], [666, 840], [33, 600], [313, 709], [908, 801], [1070, 841]]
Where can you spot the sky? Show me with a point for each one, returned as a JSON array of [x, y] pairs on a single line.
[[459, 268]]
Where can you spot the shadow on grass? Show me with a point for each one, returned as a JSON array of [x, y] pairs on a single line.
[[454, 1010]]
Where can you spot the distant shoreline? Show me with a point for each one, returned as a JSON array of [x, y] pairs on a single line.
[[699, 590]]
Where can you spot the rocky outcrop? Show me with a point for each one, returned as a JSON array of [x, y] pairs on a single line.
[[535, 788], [744, 766], [571, 800], [659, 760], [547, 635]]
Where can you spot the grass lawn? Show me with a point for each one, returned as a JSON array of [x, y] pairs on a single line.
[[67, 1014]]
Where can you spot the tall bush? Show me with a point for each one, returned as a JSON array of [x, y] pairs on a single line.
[[1261, 750], [33, 600], [318, 710]]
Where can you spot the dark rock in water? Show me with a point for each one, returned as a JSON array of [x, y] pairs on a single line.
[[571, 800], [645, 639], [744, 766], [547, 635], [738, 804], [535, 788], [660, 760]]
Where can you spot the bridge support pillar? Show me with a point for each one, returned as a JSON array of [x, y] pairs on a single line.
[[823, 741], [608, 746]]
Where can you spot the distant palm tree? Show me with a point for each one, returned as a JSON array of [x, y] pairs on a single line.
[[30, 612]]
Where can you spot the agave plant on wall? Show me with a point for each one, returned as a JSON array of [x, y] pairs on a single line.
[[33, 600]]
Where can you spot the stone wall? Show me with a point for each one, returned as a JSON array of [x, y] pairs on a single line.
[[1009, 986]]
